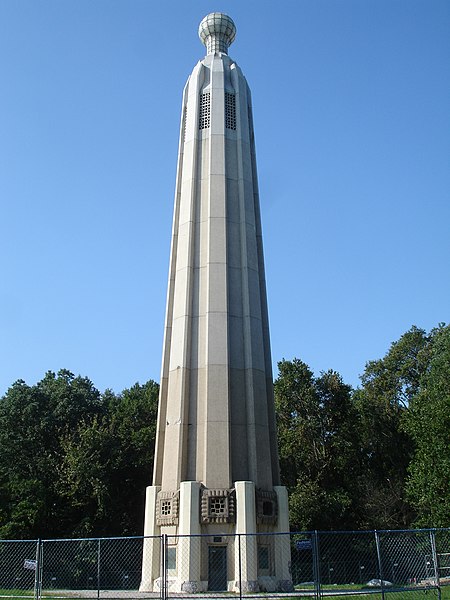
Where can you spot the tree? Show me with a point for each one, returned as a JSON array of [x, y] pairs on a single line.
[[73, 461], [107, 465], [383, 402], [317, 456], [33, 419], [428, 424], [133, 422]]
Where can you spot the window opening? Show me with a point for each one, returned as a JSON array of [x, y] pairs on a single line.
[[166, 507], [230, 111], [205, 111], [267, 508], [217, 506]]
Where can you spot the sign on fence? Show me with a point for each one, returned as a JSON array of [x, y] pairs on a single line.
[[30, 563]]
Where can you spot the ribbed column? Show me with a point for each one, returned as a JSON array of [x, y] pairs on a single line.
[[216, 463], [216, 401], [171, 457]]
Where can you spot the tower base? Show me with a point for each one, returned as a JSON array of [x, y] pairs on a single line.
[[200, 540]]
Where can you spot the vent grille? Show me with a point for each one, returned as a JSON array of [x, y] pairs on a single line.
[[184, 122], [230, 111], [204, 120]]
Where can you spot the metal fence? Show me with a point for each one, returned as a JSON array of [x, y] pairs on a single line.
[[404, 565]]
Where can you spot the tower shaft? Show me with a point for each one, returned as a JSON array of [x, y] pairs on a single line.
[[216, 422], [216, 468]]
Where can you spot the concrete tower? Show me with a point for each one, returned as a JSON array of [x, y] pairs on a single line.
[[216, 468]]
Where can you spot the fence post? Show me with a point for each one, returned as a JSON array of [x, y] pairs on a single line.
[[316, 564], [164, 582], [98, 568], [38, 572], [435, 561], [380, 569], [240, 566]]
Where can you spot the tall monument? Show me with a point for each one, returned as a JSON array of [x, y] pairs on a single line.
[[216, 468]]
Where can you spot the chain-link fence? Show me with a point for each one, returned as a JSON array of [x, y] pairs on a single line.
[[18, 568], [411, 565], [90, 567]]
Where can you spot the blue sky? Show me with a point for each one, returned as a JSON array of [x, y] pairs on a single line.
[[351, 107]]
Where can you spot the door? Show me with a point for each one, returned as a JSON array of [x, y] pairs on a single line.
[[217, 568]]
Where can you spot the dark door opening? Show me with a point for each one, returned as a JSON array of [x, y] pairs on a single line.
[[217, 568]]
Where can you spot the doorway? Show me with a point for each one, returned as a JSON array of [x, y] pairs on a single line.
[[217, 568]]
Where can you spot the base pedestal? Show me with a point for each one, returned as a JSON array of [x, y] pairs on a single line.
[[151, 557], [201, 556]]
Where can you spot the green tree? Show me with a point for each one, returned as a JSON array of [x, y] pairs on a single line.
[[133, 422], [87, 461], [73, 461], [428, 423], [33, 419], [383, 402], [318, 460], [107, 465]]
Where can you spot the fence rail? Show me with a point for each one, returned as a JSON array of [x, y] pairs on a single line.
[[403, 565]]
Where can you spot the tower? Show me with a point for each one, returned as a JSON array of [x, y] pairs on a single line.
[[216, 468]]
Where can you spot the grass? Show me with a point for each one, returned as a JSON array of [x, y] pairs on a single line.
[[17, 593], [335, 592], [342, 592]]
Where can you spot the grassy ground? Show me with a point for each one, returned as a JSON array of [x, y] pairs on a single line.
[[342, 592], [334, 592], [16, 593]]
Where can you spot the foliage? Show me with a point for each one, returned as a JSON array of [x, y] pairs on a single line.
[[388, 384], [389, 388], [428, 424], [346, 454], [73, 461], [315, 443], [32, 422]]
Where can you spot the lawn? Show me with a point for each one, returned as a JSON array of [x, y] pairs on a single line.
[[335, 592], [17, 593], [342, 592]]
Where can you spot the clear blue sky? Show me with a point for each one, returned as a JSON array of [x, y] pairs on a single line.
[[352, 120]]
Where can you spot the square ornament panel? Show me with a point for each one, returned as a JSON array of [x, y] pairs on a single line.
[[218, 506], [167, 508]]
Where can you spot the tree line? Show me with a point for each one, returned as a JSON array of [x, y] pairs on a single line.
[[75, 462]]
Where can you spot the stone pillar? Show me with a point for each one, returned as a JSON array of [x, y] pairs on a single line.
[[246, 550], [282, 549], [189, 548], [151, 559]]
